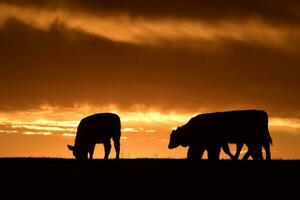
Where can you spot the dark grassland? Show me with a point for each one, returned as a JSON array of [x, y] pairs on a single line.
[[150, 178]]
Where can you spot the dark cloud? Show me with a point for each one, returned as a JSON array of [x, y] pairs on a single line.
[[276, 11], [62, 66]]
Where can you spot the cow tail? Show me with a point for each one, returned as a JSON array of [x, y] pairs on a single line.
[[269, 136], [270, 139]]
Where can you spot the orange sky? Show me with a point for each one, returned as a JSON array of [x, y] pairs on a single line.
[[156, 66]]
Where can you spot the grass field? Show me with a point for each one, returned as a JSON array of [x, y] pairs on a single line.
[[173, 178]]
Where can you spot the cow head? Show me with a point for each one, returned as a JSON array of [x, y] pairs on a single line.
[[78, 153], [175, 138]]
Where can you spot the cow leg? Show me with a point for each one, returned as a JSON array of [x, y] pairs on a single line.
[[257, 152], [226, 149], [107, 148], [117, 146], [191, 152], [195, 151], [267, 149], [249, 152], [201, 151], [213, 151], [239, 147], [91, 151]]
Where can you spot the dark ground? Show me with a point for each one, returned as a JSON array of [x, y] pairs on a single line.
[[150, 179]]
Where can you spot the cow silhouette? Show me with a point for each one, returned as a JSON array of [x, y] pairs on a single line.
[[213, 131], [97, 128]]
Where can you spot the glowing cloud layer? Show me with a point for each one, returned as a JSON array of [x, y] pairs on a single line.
[[53, 123], [123, 28]]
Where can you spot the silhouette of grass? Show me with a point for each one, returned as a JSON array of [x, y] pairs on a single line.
[[141, 167], [174, 178]]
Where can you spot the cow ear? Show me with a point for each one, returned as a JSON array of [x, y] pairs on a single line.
[[70, 147]]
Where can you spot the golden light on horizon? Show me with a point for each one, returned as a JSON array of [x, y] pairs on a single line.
[[54, 119], [153, 125]]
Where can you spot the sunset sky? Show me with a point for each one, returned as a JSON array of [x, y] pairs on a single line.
[[156, 63]]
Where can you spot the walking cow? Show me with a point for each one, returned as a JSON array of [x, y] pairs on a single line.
[[211, 131], [97, 128]]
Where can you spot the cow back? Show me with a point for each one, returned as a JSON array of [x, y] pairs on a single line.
[[231, 126], [97, 128]]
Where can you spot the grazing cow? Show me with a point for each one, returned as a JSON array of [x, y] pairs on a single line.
[[211, 131], [97, 128]]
